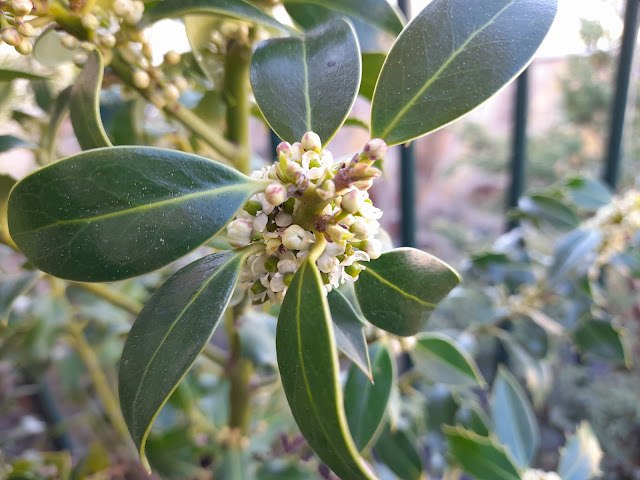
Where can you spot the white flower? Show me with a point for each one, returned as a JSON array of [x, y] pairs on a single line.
[[352, 201], [284, 219], [296, 238], [277, 283], [260, 222], [373, 248], [239, 233], [287, 266], [326, 263]]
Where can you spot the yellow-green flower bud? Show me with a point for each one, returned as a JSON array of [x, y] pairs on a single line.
[[11, 36], [22, 7], [172, 57], [24, 47], [26, 30], [275, 194], [108, 41], [327, 190], [171, 93], [352, 201], [375, 149], [141, 79], [311, 141], [90, 22], [69, 42]]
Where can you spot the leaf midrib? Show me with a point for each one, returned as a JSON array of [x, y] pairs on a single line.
[[408, 105], [399, 290], [520, 435], [429, 353], [138, 208]]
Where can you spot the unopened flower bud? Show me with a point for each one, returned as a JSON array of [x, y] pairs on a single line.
[[108, 41], [26, 30], [22, 7], [337, 233], [24, 47], [134, 16], [275, 194], [11, 36], [287, 266], [311, 141], [327, 190], [284, 150], [80, 59], [360, 229], [296, 238], [181, 83], [121, 8], [294, 171], [326, 263], [69, 42], [141, 79], [172, 57], [239, 233], [352, 201], [90, 21], [298, 151], [363, 185], [373, 248], [375, 149], [147, 51], [171, 93]]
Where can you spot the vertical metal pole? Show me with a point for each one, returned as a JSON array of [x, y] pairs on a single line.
[[275, 141], [611, 170], [407, 176], [519, 146]]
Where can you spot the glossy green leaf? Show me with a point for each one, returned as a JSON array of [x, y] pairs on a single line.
[[515, 422], [198, 29], [589, 193], [9, 142], [238, 9], [11, 287], [8, 74], [115, 213], [600, 339], [84, 104], [349, 331], [437, 357], [59, 111], [308, 362], [398, 452], [308, 83], [365, 399], [398, 291], [473, 417], [581, 455], [450, 58], [572, 251], [50, 52], [170, 332], [371, 66], [481, 457]]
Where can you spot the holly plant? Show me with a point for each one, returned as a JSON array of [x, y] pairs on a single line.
[[299, 237]]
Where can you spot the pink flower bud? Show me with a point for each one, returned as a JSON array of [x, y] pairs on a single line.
[[352, 201], [311, 141], [22, 7], [375, 149], [11, 36], [275, 194], [284, 150]]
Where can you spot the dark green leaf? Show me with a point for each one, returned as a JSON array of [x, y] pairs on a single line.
[[450, 58], [308, 362], [7, 74], [308, 83], [43, 94], [371, 66], [172, 454], [349, 331], [11, 287], [398, 452], [398, 291], [573, 251], [198, 29], [115, 213], [600, 339], [472, 417], [515, 422], [365, 400], [170, 332], [9, 142], [549, 209], [85, 104], [481, 457], [127, 125], [59, 110], [589, 193], [6, 184], [581, 455], [437, 357], [238, 9]]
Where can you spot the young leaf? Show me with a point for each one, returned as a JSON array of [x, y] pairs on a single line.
[[450, 58], [398, 291], [572, 250], [371, 66], [308, 83], [442, 361], [8, 74], [170, 332], [588, 193], [308, 362], [550, 210], [114, 213], [365, 399], [398, 452], [238, 9], [514, 420], [481, 457], [11, 287], [349, 331], [59, 110], [581, 455], [9, 142], [85, 104], [602, 340]]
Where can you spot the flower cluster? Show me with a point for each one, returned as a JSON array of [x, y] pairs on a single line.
[[532, 474], [310, 196], [18, 36]]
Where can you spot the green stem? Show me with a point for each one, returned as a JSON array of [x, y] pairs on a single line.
[[112, 296], [236, 96], [99, 380]]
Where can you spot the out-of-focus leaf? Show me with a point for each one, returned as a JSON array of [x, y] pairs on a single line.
[[349, 331], [450, 58], [548, 209], [235, 465], [172, 455], [11, 287], [481, 457], [257, 335], [84, 104], [9, 142], [238, 9], [371, 66], [398, 452], [437, 357], [600, 339], [365, 399], [589, 193], [50, 52], [308, 361], [514, 420], [398, 291], [8, 74], [472, 417], [581, 455], [323, 70], [114, 213], [59, 110], [6, 184], [573, 250], [170, 332]]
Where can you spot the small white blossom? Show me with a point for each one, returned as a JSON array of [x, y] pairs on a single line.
[[239, 233], [296, 238]]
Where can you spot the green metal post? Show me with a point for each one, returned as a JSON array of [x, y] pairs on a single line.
[[519, 146]]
